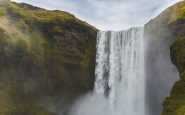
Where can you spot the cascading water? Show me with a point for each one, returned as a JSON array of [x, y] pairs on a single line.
[[120, 77], [120, 70]]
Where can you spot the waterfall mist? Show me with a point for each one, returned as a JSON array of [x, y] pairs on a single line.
[[161, 73], [120, 76], [134, 73]]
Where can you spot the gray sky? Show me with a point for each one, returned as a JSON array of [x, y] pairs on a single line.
[[108, 14]]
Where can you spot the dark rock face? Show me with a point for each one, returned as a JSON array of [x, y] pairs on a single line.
[[47, 59]]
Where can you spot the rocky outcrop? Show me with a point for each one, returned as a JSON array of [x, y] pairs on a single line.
[[47, 59]]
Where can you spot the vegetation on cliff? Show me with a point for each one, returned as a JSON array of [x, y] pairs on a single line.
[[175, 104], [47, 59]]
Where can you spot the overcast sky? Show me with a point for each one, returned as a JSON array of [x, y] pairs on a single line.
[[108, 14]]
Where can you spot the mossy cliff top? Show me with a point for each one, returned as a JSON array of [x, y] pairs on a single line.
[[168, 22], [47, 59]]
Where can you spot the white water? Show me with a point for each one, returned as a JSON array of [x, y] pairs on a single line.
[[120, 80]]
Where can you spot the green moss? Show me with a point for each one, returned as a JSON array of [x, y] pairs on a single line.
[[44, 16], [172, 28], [177, 12], [2, 11], [174, 105], [180, 111], [44, 54]]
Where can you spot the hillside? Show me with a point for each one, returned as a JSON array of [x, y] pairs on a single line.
[[47, 59], [175, 104], [167, 33]]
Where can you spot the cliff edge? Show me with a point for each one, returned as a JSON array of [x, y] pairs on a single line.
[[47, 59]]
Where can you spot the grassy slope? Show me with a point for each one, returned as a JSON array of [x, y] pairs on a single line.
[[47, 58], [175, 104], [170, 25]]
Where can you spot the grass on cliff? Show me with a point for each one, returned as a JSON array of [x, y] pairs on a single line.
[[177, 12], [2, 11], [43, 15], [53, 66], [175, 104]]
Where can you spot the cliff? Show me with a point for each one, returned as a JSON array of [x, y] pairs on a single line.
[[161, 74], [175, 104], [165, 37], [47, 59]]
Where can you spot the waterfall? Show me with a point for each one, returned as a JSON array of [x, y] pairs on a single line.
[[120, 70], [120, 78]]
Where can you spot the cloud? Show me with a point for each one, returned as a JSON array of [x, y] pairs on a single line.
[[108, 14]]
